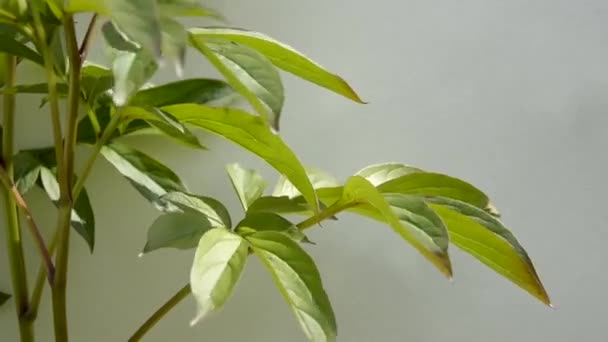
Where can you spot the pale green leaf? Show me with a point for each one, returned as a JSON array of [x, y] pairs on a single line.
[[187, 8], [27, 170], [249, 73], [318, 178], [381, 173], [131, 71], [248, 183], [488, 240], [219, 260], [214, 210], [176, 230], [283, 56], [251, 133], [174, 43], [299, 281], [360, 193], [151, 178]]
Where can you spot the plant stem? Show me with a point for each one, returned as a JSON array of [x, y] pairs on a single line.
[[38, 239], [86, 41], [39, 284], [13, 231], [160, 313], [66, 200], [329, 212]]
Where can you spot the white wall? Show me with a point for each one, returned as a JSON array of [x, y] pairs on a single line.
[[510, 95]]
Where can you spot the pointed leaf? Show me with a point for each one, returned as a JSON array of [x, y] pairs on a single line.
[[249, 73], [214, 210], [318, 178], [35, 88], [131, 71], [252, 134], [95, 81], [82, 217], [299, 281], [261, 222], [488, 240], [281, 204], [219, 260], [151, 178], [248, 183], [283, 56], [27, 169], [358, 192], [174, 43], [4, 297], [381, 173], [197, 90], [12, 46], [176, 230]]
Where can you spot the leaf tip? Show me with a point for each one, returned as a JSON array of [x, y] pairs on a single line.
[[140, 255]]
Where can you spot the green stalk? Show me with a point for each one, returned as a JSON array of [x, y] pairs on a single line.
[[66, 200], [13, 231], [186, 290]]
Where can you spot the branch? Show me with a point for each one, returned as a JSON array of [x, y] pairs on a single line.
[[86, 41], [38, 239]]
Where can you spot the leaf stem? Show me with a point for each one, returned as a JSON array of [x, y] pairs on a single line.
[[86, 41], [160, 313], [38, 239], [13, 231], [328, 213]]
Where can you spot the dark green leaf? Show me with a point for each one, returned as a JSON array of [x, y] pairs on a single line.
[[27, 169], [248, 183], [360, 193], [251, 133], [82, 218], [488, 240], [12, 46], [160, 121], [4, 297], [198, 90], [261, 222], [282, 204], [176, 230], [249, 73], [283, 56], [214, 210], [299, 281], [151, 178], [36, 88], [219, 260]]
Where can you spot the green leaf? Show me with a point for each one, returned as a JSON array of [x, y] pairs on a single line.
[[27, 170], [176, 230], [82, 217], [248, 183], [12, 46], [488, 240], [35, 88], [425, 235], [261, 222], [283, 56], [4, 297], [214, 210], [251, 133], [174, 42], [281, 204], [131, 71], [163, 122], [151, 178], [218, 263], [436, 185], [95, 80], [299, 281], [381, 173], [198, 90], [318, 178], [249, 73], [186, 8]]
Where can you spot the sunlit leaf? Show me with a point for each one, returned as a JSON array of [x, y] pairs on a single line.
[[488, 240], [424, 236], [219, 260], [299, 281], [214, 210], [248, 183], [176, 230], [283, 56], [197, 90], [131, 71], [251, 133], [151, 178], [249, 73], [381, 173], [318, 178]]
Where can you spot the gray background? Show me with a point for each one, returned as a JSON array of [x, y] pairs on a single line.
[[510, 95]]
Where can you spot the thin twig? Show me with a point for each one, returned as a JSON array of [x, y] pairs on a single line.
[[38, 239], [86, 41]]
